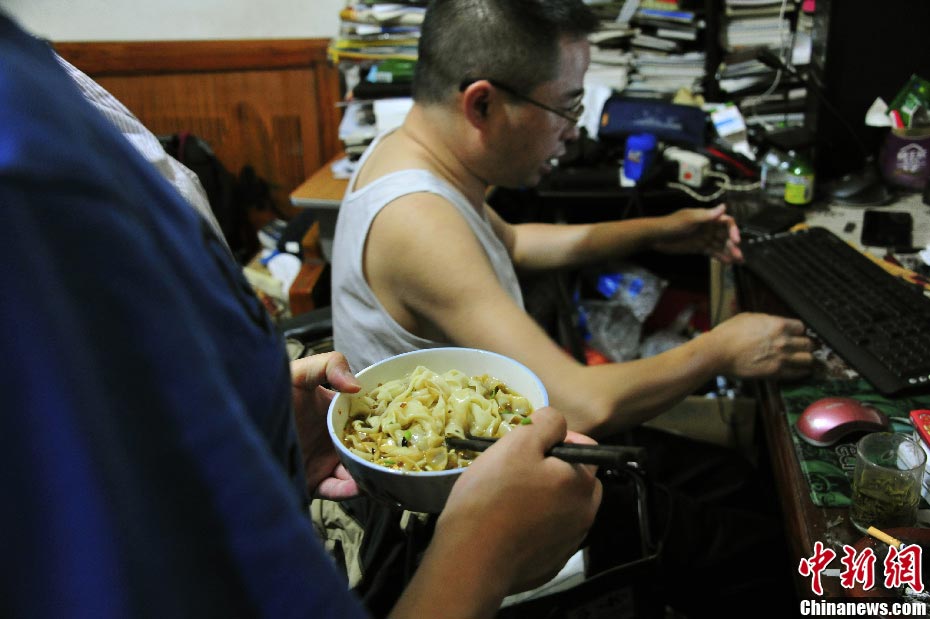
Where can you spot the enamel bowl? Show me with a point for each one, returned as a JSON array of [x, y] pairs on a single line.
[[423, 491]]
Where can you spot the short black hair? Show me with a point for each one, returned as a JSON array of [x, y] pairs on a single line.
[[513, 41]]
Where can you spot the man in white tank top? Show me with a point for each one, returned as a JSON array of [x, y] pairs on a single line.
[[420, 259]]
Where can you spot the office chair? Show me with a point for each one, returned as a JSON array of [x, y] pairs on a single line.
[[628, 589], [308, 333], [632, 588]]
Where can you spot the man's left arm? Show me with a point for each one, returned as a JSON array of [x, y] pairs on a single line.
[[539, 246]]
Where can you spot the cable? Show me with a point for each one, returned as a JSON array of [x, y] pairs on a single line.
[[732, 161], [724, 184], [752, 101], [698, 196], [729, 186]]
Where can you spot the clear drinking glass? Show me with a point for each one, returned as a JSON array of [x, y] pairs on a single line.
[[886, 482]]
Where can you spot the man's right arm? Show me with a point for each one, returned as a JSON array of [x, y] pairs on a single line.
[[436, 272]]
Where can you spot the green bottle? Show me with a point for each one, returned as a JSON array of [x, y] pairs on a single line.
[[799, 187]]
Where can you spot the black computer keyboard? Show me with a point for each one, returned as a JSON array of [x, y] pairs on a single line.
[[878, 323]]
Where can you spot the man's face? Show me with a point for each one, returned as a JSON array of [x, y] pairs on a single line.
[[538, 135]]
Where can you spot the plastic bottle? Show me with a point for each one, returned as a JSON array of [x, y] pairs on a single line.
[[640, 151], [774, 173], [799, 186]]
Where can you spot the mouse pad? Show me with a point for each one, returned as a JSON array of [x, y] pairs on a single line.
[[829, 469]]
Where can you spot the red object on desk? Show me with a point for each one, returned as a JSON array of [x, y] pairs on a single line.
[[907, 535], [921, 421]]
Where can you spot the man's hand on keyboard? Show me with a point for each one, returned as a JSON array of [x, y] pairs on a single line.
[[764, 346]]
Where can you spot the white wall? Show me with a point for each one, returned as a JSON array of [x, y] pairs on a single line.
[[163, 20]]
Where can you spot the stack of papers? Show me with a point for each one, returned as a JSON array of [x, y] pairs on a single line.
[[376, 31]]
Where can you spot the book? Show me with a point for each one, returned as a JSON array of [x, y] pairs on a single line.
[[753, 2], [686, 17], [665, 5], [682, 34], [670, 70], [388, 13], [652, 42], [695, 58], [270, 234], [764, 11], [612, 37], [755, 32], [617, 57]]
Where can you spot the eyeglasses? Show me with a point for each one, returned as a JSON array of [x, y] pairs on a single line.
[[572, 114]]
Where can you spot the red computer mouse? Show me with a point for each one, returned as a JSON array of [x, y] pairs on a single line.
[[826, 421]]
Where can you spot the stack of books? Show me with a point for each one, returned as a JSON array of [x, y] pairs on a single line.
[[656, 47], [667, 73], [758, 23], [610, 44], [358, 128], [765, 95], [377, 30], [376, 52], [668, 49]]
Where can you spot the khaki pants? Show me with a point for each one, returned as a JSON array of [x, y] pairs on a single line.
[[379, 539]]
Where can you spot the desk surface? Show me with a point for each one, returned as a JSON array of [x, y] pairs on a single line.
[[805, 522], [322, 189], [837, 218]]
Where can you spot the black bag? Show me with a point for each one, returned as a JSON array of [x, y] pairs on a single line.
[[219, 184]]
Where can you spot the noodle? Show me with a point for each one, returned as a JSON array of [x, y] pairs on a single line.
[[402, 424]]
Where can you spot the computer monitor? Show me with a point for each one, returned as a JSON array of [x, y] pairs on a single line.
[[861, 49]]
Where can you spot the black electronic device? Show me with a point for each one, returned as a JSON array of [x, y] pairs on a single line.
[[669, 122], [875, 321], [864, 185], [891, 229], [860, 51], [771, 220]]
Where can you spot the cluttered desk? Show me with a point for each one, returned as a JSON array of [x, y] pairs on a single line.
[[869, 314], [855, 273], [851, 263]]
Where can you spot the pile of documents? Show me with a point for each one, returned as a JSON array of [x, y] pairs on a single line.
[[376, 52], [659, 44], [378, 30], [766, 95]]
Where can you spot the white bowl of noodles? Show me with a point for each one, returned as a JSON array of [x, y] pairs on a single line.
[[390, 436]]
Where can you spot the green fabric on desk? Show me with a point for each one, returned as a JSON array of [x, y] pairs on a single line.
[[829, 469]]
